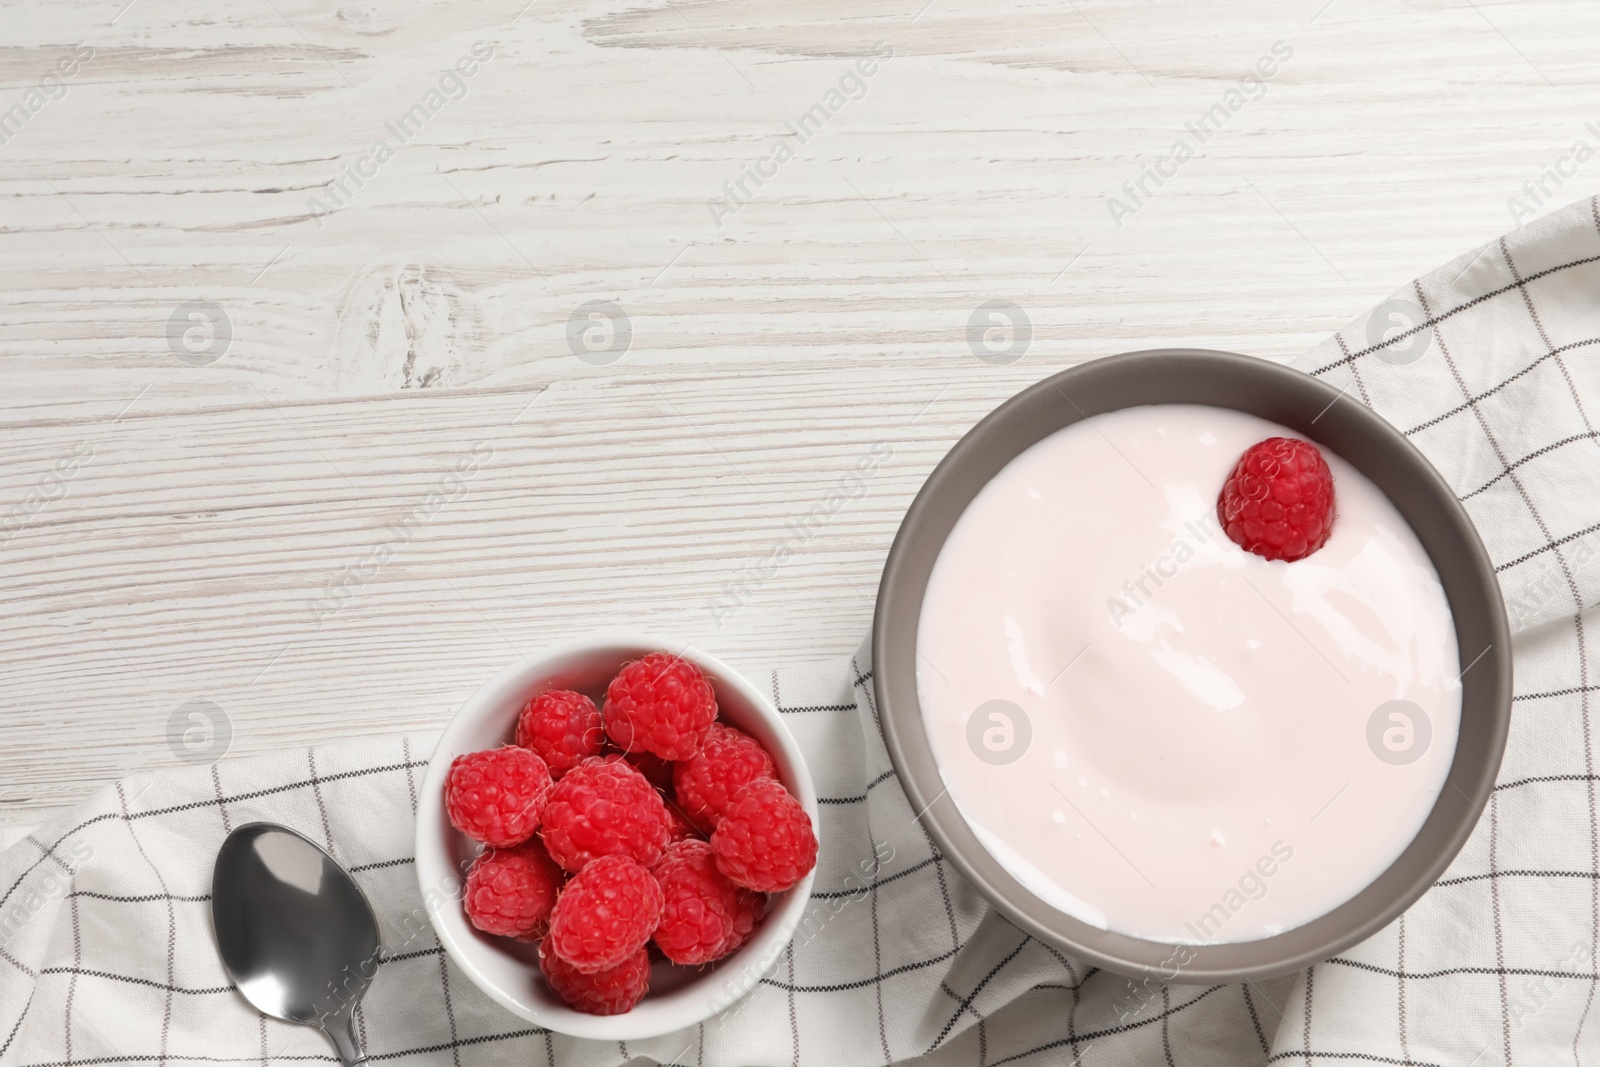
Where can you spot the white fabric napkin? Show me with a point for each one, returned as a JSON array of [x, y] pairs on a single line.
[[1488, 364]]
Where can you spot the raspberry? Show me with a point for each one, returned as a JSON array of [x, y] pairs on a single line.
[[679, 828], [727, 762], [601, 807], [765, 841], [497, 796], [697, 909], [1278, 500], [660, 704], [608, 992], [698, 916], [657, 771], [563, 727], [510, 891], [750, 909], [605, 914]]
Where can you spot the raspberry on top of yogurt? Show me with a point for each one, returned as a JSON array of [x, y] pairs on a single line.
[[1278, 500]]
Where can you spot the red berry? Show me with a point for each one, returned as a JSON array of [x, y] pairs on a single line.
[[1278, 500], [602, 807], [728, 761], [608, 992], [747, 915], [765, 841], [497, 796], [605, 914], [510, 891], [660, 704], [680, 828], [701, 906], [563, 727], [657, 771]]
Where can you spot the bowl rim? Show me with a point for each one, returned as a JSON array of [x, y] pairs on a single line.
[[1352, 431], [733, 978]]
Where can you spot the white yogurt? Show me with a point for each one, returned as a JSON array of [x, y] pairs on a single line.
[[1203, 751]]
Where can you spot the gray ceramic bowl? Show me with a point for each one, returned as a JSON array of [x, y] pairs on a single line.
[[1312, 409]]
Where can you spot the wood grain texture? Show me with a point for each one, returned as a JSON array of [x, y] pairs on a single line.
[[211, 529]]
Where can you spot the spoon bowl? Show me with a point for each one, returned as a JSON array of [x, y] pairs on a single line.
[[294, 931]]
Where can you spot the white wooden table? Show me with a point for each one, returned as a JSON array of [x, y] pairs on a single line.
[[380, 461]]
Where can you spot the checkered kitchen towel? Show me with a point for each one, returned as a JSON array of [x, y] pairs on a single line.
[[1488, 364]]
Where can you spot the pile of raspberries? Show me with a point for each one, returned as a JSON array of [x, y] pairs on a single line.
[[649, 822]]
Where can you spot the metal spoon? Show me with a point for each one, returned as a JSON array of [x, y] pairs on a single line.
[[295, 932]]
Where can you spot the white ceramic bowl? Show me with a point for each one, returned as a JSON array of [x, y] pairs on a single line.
[[508, 971]]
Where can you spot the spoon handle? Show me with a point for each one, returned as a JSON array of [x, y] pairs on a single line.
[[342, 1032]]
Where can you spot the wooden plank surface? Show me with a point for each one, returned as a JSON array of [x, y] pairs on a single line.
[[800, 208]]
